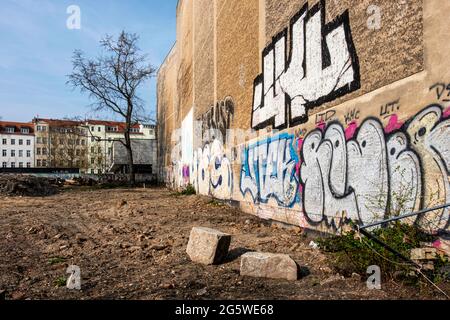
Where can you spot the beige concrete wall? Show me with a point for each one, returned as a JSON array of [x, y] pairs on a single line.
[[168, 112], [374, 139]]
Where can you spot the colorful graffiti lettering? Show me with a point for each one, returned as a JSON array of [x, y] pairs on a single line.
[[269, 171], [376, 173], [211, 171]]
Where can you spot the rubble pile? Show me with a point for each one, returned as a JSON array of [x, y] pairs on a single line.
[[28, 186], [100, 181]]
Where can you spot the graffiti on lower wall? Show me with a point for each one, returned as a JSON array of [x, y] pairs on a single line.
[[269, 171], [322, 66], [369, 171], [208, 168], [211, 171]]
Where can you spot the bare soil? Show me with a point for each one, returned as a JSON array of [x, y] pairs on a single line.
[[130, 244]]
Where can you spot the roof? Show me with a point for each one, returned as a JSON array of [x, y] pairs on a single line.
[[59, 123], [17, 126], [121, 126]]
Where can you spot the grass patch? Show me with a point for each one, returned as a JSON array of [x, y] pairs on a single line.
[[56, 260], [61, 282], [189, 190], [215, 203], [352, 254]]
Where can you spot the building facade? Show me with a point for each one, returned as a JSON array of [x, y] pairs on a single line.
[[310, 112], [17, 145], [61, 144], [103, 135], [86, 145]]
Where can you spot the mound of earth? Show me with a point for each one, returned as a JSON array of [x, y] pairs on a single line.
[[27, 186]]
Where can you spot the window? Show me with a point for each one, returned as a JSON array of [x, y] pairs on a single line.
[[44, 140], [99, 162], [13, 142], [28, 164], [28, 142], [25, 130], [83, 142], [44, 151], [20, 142], [38, 163], [4, 153], [44, 163], [38, 140], [10, 130], [92, 149], [78, 152], [92, 129], [20, 164], [4, 164], [99, 149], [61, 141], [92, 139], [4, 141], [28, 154], [13, 153], [13, 164], [20, 153], [78, 142], [92, 161], [39, 128], [38, 151], [99, 129]]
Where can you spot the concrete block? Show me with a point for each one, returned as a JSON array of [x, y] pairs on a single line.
[[269, 265], [208, 246]]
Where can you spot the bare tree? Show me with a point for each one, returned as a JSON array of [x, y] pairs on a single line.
[[112, 81]]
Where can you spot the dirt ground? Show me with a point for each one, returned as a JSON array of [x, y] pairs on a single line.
[[130, 244]]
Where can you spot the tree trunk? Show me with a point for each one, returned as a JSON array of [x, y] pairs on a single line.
[[131, 173]]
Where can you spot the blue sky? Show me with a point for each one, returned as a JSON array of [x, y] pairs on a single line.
[[36, 49]]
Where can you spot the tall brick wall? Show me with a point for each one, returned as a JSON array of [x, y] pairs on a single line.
[[311, 112]]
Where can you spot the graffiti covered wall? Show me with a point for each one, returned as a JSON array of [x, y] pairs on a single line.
[[316, 112]]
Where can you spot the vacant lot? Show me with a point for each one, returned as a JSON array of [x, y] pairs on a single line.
[[130, 244]]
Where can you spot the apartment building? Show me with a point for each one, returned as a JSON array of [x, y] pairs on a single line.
[[17, 145], [60, 144], [103, 134]]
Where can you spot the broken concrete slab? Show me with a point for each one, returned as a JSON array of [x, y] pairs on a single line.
[[269, 265], [419, 254], [208, 246]]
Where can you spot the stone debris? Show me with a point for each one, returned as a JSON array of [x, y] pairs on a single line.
[[332, 279], [421, 254], [28, 186], [208, 246], [269, 265]]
